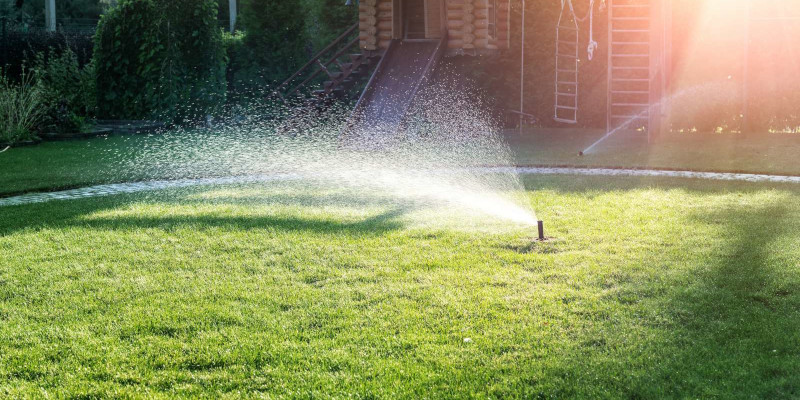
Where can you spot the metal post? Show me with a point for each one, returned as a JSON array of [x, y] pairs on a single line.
[[746, 69], [522, 72], [656, 73], [232, 14], [50, 15], [667, 65], [609, 63]]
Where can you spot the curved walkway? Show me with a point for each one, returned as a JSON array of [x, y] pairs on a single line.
[[134, 187]]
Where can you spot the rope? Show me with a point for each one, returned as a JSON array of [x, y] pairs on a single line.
[[590, 16], [592, 43]]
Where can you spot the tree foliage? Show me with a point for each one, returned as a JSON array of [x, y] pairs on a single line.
[[157, 59], [327, 19], [276, 40], [280, 36]]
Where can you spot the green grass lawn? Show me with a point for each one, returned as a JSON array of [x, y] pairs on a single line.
[[61, 165], [650, 288], [763, 153]]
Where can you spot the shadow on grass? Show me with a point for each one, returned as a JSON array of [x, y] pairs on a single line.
[[66, 214], [734, 329], [741, 316]]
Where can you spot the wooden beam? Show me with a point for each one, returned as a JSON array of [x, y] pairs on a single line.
[[50, 15], [232, 12], [657, 30]]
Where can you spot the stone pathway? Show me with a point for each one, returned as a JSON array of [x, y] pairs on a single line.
[[134, 187]]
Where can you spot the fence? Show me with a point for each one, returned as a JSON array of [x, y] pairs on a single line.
[[19, 42]]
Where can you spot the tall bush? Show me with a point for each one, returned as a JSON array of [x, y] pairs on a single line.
[[68, 91], [328, 19], [160, 59], [276, 43]]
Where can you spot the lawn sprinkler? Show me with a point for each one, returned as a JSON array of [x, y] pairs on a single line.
[[541, 231], [580, 154]]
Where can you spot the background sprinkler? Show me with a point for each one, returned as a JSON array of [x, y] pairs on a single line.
[[541, 230], [580, 154]]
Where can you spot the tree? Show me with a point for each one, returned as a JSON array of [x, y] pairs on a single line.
[[159, 59], [275, 41], [328, 19]]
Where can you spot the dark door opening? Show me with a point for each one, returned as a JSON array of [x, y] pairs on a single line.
[[414, 19]]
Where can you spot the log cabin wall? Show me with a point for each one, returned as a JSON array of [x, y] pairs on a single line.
[[477, 26], [473, 26], [375, 23]]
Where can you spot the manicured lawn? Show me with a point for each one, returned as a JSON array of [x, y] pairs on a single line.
[[763, 153], [61, 165], [649, 289]]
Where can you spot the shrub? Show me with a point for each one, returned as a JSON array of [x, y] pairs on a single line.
[[275, 41], [162, 60], [68, 95], [328, 19], [19, 108]]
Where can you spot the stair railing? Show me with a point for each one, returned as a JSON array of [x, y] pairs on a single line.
[[319, 63]]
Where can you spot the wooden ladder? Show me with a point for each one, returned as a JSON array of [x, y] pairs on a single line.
[[629, 80], [567, 35]]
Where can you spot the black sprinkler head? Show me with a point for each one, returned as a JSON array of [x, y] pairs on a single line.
[[541, 230], [580, 154]]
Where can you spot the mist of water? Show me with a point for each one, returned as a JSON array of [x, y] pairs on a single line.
[[434, 160], [698, 92]]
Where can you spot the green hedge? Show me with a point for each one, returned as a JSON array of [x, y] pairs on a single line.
[[160, 59]]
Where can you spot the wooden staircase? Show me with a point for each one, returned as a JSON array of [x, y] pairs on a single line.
[[331, 74]]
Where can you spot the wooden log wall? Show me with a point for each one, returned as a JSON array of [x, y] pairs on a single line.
[[374, 24], [468, 24], [368, 24]]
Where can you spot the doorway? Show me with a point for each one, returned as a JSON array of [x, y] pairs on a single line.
[[414, 19]]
